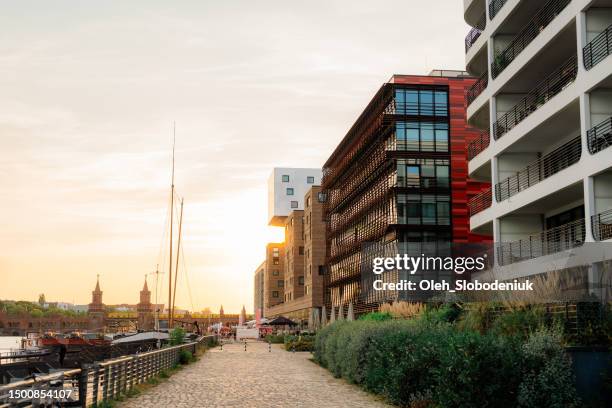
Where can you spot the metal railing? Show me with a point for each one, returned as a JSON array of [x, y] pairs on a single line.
[[102, 381], [537, 97], [495, 6], [561, 238], [599, 137], [479, 144], [598, 49], [528, 33], [478, 87], [540, 169], [602, 225], [416, 108], [475, 32], [480, 201]]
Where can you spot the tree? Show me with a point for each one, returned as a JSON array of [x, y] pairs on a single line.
[[41, 299], [177, 335]]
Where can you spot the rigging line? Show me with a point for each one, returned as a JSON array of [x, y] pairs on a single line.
[[186, 275]]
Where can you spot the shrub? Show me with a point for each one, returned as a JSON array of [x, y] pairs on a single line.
[[518, 322], [177, 336], [275, 338], [404, 310], [547, 377], [377, 316], [185, 357], [299, 343]]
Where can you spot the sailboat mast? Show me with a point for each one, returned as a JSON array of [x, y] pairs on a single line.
[[171, 228], [178, 254]]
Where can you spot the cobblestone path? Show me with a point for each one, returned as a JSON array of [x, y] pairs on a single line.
[[255, 378]]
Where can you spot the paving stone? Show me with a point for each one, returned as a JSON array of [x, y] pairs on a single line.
[[255, 378]]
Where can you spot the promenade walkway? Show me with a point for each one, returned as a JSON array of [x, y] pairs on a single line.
[[255, 378]]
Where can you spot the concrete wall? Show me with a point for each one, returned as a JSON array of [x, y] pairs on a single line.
[[602, 186], [600, 101], [279, 203], [517, 226], [597, 20]]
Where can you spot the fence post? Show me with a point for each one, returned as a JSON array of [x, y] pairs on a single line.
[[83, 376], [95, 386]]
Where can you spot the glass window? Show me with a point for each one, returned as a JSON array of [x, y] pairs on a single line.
[[441, 138], [443, 213], [310, 180], [301, 250], [301, 280], [289, 191], [426, 102], [442, 176], [412, 102], [274, 293], [413, 176], [280, 283], [294, 204], [275, 272], [285, 178], [441, 108]]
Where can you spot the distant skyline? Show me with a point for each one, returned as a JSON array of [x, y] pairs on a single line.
[[88, 94]]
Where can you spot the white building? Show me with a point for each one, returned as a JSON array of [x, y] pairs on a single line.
[[544, 104], [286, 190]]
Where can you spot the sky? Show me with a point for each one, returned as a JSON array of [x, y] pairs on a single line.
[[89, 92]]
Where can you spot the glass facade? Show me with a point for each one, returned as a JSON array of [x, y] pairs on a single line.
[[423, 209], [423, 173], [421, 102], [421, 136]]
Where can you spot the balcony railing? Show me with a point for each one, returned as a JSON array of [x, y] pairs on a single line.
[[540, 169], [598, 49], [480, 202], [423, 183], [478, 145], [542, 93], [495, 6], [536, 25], [561, 238], [477, 88], [600, 136], [602, 225], [475, 32]]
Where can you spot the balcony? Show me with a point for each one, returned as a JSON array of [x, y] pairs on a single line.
[[598, 49], [600, 136], [475, 32], [495, 6], [561, 238], [478, 145], [539, 170], [480, 202], [561, 78], [478, 87], [602, 225], [527, 34]]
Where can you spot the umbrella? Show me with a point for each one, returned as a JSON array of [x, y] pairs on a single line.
[[332, 318], [323, 317], [282, 321], [350, 315], [341, 312]]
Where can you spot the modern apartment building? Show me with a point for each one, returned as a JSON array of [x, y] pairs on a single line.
[[274, 276], [304, 260], [286, 189], [543, 103], [258, 285], [398, 179]]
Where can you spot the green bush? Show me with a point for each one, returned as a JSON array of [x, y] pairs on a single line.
[[518, 322], [299, 343], [377, 316], [185, 357], [275, 338], [547, 377], [428, 362], [177, 336]]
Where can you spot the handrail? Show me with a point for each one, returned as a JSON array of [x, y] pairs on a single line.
[[478, 145], [602, 225], [476, 89], [495, 6], [475, 32], [599, 137], [108, 379], [480, 202], [598, 49], [561, 238], [553, 84], [528, 33], [540, 169]]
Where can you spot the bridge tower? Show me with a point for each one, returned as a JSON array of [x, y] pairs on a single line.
[[95, 310], [145, 309]]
